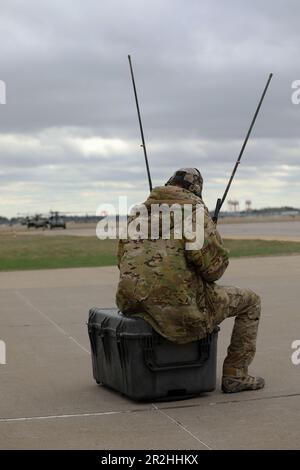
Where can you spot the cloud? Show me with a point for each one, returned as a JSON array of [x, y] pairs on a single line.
[[70, 124]]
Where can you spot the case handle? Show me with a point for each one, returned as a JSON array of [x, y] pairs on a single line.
[[154, 366]]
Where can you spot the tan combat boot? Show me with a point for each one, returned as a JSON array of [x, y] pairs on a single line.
[[238, 380]]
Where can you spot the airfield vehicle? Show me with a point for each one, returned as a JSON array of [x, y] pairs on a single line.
[[37, 221], [56, 221]]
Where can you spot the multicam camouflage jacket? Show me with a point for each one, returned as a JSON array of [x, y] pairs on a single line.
[[170, 287]]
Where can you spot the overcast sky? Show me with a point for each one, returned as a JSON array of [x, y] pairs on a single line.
[[69, 135]]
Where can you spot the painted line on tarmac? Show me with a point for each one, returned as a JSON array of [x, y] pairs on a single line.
[[106, 413], [230, 402], [181, 426], [53, 323], [75, 415]]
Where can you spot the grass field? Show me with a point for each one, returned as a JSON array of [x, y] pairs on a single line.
[[24, 252]]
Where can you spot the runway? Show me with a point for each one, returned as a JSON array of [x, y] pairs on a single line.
[[277, 230], [289, 231]]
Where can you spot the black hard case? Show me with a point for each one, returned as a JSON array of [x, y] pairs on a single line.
[[130, 357]]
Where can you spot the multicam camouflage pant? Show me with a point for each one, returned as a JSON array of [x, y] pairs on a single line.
[[245, 306]]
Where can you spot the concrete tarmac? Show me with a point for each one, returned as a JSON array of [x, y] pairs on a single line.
[[49, 399], [276, 230], [289, 231]]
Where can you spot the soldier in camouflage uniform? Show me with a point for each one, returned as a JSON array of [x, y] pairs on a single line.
[[174, 289]]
